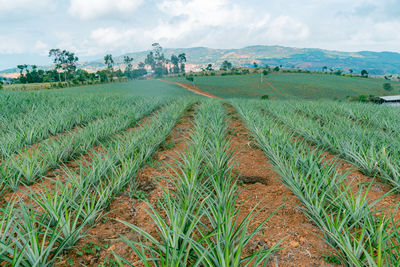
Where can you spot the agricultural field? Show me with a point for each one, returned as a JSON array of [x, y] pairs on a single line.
[[147, 173], [291, 85], [132, 88], [27, 87]]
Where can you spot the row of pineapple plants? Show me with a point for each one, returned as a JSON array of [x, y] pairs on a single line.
[[197, 218], [27, 167], [354, 226], [38, 232], [46, 117], [373, 151]]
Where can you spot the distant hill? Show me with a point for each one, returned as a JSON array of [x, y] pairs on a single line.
[[376, 63]]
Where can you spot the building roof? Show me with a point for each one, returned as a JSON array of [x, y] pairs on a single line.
[[390, 98]]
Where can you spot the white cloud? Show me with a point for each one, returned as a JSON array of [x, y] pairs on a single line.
[[216, 23], [223, 23], [15, 5], [41, 48], [334, 24], [90, 9], [285, 28], [10, 45]]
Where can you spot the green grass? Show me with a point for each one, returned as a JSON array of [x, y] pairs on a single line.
[[26, 87], [131, 88], [291, 85]]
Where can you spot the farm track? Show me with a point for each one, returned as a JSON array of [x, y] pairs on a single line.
[[192, 88], [105, 233], [58, 174], [356, 178], [302, 246], [273, 87]]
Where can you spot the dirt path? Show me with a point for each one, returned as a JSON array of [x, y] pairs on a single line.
[[192, 88], [273, 87], [124, 207], [302, 247]]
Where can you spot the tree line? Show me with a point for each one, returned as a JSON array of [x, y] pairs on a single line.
[[66, 69]]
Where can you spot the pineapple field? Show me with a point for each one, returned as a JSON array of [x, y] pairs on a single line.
[[148, 173]]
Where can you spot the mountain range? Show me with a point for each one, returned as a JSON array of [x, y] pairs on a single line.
[[376, 63]]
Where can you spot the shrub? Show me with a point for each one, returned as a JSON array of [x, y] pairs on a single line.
[[264, 97], [190, 78], [387, 87], [75, 81]]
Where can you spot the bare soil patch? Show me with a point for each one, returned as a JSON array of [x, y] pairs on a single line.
[[301, 245]]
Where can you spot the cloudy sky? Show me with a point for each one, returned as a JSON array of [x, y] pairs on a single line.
[[91, 28]]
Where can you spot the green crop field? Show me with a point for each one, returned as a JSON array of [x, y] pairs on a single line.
[[147, 173], [290, 85], [143, 88], [132, 88]]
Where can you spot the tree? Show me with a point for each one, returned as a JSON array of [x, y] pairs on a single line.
[[255, 65], [190, 78], [364, 73], [276, 69], [69, 63], [57, 60], [128, 70], [109, 61], [141, 65], [338, 72], [150, 60], [175, 63], [351, 71], [22, 77], [160, 60], [209, 67], [387, 87], [64, 60], [156, 60], [182, 61], [324, 68], [226, 65], [22, 68]]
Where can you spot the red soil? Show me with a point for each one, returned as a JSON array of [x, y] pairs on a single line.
[[301, 245], [106, 232], [192, 88], [273, 87]]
